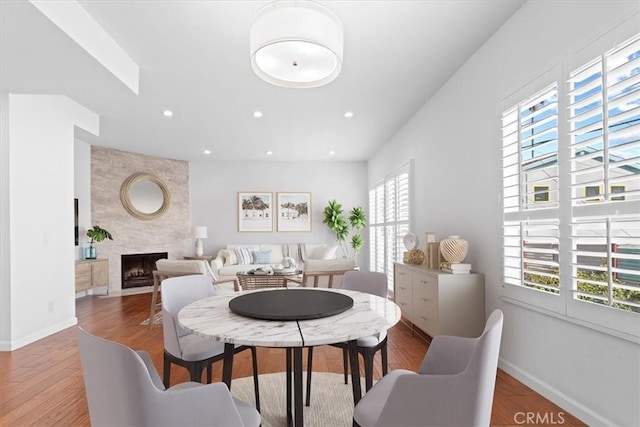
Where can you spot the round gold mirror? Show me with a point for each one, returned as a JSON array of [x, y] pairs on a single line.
[[145, 196]]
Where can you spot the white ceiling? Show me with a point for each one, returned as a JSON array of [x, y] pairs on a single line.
[[194, 59]]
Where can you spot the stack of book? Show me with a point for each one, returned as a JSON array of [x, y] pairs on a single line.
[[455, 267]]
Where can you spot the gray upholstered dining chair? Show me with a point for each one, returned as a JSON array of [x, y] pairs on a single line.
[[124, 389], [453, 387], [372, 283], [184, 348]]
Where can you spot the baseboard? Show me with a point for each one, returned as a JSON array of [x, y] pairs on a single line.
[[572, 406], [43, 333], [125, 292]]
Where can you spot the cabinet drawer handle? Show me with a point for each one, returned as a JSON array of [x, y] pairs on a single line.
[[423, 318], [425, 299], [402, 287]]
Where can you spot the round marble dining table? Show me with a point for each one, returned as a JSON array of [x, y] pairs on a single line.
[[211, 318]]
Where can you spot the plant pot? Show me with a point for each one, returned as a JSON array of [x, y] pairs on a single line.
[[454, 249], [90, 252]]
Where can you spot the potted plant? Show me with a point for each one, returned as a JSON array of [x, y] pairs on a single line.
[[96, 234], [334, 219]]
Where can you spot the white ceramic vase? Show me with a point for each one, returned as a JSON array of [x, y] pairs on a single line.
[[454, 249]]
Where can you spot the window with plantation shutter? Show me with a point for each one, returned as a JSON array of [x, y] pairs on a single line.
[[571, 192], [604, 138], [530, 192], [389, 212]]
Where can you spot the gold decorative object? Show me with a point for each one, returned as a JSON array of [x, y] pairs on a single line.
[[416, 256], [454, 249]]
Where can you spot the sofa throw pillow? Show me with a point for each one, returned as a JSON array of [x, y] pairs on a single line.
[[330, 253], [244, 255], [262, 257], [230, 257]]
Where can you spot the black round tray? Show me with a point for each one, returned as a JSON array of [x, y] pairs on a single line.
[[290, 304]]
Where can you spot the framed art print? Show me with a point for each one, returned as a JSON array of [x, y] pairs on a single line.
[[255, 211], [294, 211]]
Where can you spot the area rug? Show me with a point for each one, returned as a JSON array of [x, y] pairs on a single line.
[[157, 320], [331, 399]]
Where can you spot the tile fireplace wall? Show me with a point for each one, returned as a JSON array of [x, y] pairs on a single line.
[[170, 233]]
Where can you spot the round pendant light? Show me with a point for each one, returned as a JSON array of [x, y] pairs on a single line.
[[296, 44]]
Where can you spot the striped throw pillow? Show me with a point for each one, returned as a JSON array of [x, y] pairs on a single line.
[[244, 255]]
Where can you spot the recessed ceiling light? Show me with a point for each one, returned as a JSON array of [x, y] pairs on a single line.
[[348, 114], [168, 113], [268, 152], [207, 151], [331, 153], [257, 114]]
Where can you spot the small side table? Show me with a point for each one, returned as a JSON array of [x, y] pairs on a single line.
[[207, 258]]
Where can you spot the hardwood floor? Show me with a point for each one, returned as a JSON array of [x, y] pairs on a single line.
[[41, 384]]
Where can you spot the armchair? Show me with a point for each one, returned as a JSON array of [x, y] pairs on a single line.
[[453, 387], [324, 273], [124, 389]]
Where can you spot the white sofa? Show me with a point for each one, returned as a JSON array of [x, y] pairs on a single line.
[[229, 261]]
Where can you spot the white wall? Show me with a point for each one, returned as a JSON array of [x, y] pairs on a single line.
[[38, 294], [456, 142], [82, 190], [215, 187], [5, 225]]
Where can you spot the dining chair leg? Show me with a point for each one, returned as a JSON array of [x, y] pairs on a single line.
[[195, 372], [166, 371], [368, 367], [383, 352], [345, 364], [355, 371], [309, 370], [254, 356]]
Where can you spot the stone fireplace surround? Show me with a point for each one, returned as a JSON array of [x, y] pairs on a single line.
[[169, 233]]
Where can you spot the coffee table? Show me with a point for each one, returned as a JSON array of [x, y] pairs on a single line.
[[258, 281]]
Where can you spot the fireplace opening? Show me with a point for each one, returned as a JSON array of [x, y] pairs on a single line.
[[137, 269]]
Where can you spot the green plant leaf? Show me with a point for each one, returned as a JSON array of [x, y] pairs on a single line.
[[98, 234], [357, 242], [357, 218]]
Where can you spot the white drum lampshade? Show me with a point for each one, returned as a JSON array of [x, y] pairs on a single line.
[[199, 233], [297, 44]]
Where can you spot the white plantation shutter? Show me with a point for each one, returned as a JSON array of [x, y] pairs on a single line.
[[376, 229], [530, 192], [571, 191], [604, 118], [389, 210]]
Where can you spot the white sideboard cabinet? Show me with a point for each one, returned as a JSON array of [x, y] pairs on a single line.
[[440, 303]]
